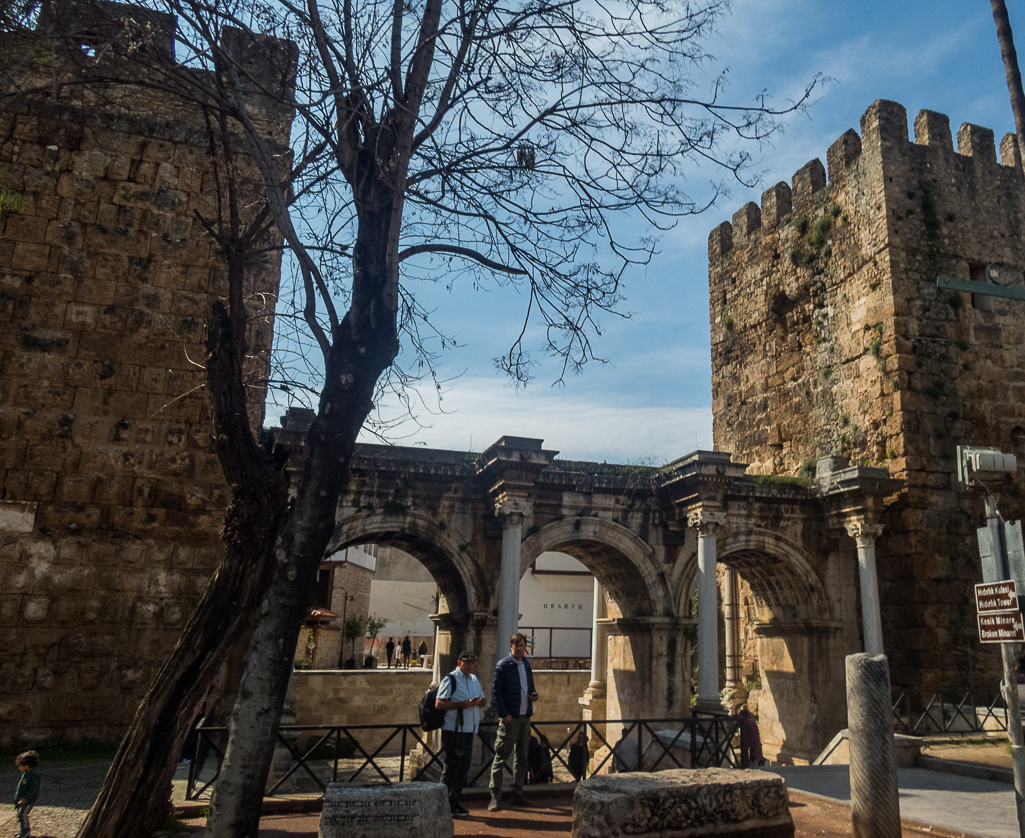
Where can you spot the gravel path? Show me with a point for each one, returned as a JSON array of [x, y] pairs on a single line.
[[68, 790]]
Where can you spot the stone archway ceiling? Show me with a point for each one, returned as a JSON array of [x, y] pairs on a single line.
[[617, 576], [771, 579]]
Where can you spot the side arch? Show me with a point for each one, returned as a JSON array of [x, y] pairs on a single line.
[[779, 572], [453, 568], [624, 564]]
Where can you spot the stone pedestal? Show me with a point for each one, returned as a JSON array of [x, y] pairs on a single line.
[[683, 803], [376, 810]]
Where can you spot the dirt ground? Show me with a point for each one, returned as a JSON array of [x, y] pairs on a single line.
[[552, 818], [814, 816]]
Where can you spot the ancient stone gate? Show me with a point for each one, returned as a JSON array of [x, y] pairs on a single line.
[[643, 533]]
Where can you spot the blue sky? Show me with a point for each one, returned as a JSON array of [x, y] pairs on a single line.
[[652, 402]]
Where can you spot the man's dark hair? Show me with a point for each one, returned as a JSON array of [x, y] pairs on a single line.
[[516, 638]]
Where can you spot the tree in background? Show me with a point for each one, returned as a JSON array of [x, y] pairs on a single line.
[[435, 141], [354, 629], [1011, 70], [374, 626]]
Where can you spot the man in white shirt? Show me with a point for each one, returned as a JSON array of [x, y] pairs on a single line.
[[461, 697]]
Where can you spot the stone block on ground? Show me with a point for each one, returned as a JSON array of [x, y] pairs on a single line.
[[683, 803], [382, 810]]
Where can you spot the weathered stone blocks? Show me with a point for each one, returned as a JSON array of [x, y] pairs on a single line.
[[683, 803], [377, 810]]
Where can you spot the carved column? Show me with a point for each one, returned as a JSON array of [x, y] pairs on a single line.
[[865, 534], [594, 699], [734, 694], [708, 523], [510, 468], [509, 584]]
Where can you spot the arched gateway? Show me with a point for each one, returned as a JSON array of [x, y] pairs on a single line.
[[782, 552]]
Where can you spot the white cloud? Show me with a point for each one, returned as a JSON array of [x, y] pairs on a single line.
[[479, 411]]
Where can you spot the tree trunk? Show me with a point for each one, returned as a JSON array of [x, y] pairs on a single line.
[[1010, 57], [134, 798], [364, 345]]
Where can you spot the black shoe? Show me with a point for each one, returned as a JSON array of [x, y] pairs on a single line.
[[520, 800], [459, 812]]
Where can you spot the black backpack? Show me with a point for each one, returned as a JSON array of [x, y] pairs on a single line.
[[431, 718]]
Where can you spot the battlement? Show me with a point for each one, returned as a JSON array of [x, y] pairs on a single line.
[[266, 64], [884, 135]]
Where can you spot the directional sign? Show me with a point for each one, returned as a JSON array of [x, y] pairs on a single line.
[[1001, 627], [996, 596]]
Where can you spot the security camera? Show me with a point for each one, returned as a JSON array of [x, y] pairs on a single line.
[[983, 464]]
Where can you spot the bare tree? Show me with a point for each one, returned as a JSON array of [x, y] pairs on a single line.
[[1010, 58], [502, 139]]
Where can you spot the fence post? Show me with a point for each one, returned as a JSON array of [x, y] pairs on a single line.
[[402, 757]]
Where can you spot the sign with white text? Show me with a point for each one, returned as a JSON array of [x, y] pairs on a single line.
[[996, 596], [1001, 627]]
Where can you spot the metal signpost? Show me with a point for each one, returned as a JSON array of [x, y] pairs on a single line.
[[1000, 616]]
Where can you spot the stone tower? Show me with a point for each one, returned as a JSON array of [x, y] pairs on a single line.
[[112, 497], [830, 337]]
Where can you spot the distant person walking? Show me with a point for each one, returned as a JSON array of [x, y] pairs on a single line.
[[579, 756], [754, 739], [421, 653], [407, 652], [461, 697], [27, 793], [624, 754], [513, 696], [389, 649]]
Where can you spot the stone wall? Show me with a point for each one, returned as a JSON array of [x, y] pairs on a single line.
[[112, 496], [829, 336], [383, 698]]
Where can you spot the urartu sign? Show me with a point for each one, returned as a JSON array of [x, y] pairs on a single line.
[[996, 596], [1001, 627]]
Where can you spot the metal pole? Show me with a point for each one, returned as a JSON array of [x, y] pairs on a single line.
[[1010, 681]]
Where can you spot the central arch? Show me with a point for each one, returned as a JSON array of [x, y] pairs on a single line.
[[623, 564], [641, 668]]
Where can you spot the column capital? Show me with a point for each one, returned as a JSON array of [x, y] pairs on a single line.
[[706, 521], [514, 510], [863, 531]]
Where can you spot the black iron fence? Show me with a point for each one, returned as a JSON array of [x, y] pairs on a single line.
[[308, 758], [949, 712]]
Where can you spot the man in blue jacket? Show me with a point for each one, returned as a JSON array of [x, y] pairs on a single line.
[[513, 696]]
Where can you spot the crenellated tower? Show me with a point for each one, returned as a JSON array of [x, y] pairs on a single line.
[[830, 337]]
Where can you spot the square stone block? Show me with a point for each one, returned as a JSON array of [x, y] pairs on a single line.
[[378, 810]]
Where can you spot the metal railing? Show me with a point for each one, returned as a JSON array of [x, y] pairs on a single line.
[[948, 712], [405, 753]]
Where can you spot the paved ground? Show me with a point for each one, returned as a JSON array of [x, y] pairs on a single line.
[[947, 805]]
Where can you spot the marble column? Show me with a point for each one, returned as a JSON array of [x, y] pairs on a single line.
[[594, 699], [734, 694], [865, 535], [708, 524], [509, 581]]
